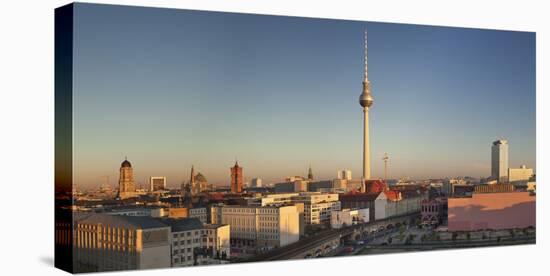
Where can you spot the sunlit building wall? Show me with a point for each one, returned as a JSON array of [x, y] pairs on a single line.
[[262, 227], [110, 242], [506, 210], [520, 174]]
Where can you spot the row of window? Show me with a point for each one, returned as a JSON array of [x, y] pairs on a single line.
[[183, 259], [178, 251], [183, 242]]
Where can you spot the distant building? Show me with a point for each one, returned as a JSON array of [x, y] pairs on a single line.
[[256, 183], [448, 186], [494, 188], [157, 183], [344, 174], [284, 187], [236, 179], [176, 212], [197, 183], [294, 178], [521, 174], [321, 186], [141, 243], [355, 200], [401, 202], [433, 211], [499, 161], [132, 212], [200, 213], [497, 211], [297, 185], [301, 186], [126, 184], [282, 199], [347, 217]]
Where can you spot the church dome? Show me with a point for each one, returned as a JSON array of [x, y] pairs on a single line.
[[200, 178], [125, 164]]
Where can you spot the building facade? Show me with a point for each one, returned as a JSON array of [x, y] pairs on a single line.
[[344, 174], [521, 174], [400, 203], [200, 213], [193, 243], [259, 227], [256, 183], [110, 243], [318, 206], [157, 183], [347, 217], [433, 211]]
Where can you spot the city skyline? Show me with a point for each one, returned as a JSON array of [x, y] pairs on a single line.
[[280, 93]]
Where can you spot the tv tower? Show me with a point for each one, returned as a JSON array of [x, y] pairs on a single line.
[[385, 158], [366, 101]]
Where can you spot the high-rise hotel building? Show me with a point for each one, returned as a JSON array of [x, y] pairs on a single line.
[[499, 161]]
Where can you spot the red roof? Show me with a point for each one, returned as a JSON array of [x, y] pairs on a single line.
[[375, 186], [356, 196], [393, 195]]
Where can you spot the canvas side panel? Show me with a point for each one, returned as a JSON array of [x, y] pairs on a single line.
[[64, 138]]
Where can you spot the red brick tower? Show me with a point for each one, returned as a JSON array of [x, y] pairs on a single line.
[[236, 179]]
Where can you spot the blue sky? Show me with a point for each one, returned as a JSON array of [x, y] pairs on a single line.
[[171, 88]]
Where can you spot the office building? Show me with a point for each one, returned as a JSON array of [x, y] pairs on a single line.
[[344, 174], [109, 243], [193, 243], [521, 174], [318, 206], [259, 227], [348, 217], [256, 183]]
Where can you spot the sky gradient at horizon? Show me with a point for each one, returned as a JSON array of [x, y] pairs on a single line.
[[172, 88]]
